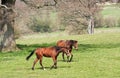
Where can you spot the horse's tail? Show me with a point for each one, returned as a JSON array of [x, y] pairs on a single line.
[[27, 58]]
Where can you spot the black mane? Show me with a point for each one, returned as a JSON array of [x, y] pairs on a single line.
[[59, 49]]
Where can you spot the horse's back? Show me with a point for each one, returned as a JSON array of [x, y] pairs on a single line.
[[46, 51], [61, 43]]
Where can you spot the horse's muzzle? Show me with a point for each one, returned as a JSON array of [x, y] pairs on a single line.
[[68, 54]]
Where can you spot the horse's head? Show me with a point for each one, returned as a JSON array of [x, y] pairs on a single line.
[[66, 51], [74, 43]]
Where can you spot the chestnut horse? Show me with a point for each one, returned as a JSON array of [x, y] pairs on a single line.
[[69, 44], [48, 52]]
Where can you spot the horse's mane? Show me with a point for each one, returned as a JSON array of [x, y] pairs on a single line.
[[58, 49], [71, 43]]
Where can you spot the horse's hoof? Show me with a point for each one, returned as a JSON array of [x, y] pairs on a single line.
[[32, 68], [69, 61], [55, 67]]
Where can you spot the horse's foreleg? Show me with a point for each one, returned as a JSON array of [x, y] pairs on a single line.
[[55, 62], [41, 63], [35, 61], [68, 58], [63, 57], [71, 57]]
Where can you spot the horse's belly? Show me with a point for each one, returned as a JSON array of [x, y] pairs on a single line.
[[46, 55]]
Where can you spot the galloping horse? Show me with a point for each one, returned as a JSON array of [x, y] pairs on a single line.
[[48, 52], [69, 44]]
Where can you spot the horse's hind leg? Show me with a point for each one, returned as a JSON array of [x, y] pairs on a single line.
[[41, 63], [35, 61]]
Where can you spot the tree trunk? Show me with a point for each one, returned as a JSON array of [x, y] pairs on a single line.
[[7, 15], [7, 38], [91, 25]]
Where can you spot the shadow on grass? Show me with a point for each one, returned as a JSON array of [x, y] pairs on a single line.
[[89, 47], [25, 49], [31, 47], [81, 48], [49, 68]]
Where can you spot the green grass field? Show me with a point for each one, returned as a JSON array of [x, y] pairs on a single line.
[[98, 57], [111, 11]]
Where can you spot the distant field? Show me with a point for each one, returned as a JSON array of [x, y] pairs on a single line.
[[98, 57], [54, 36], [111, 10]]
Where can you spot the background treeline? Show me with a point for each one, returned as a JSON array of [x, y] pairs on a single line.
[[72, 20]]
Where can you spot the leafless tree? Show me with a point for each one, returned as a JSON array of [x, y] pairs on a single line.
[[7, 15], [40, 3], [80, 10], [90, 9], [76, 13]]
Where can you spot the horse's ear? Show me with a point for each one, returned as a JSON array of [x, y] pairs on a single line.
[[76, 41], [71, 41]]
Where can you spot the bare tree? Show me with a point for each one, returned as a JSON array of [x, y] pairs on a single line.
[[78, 11], [89, 8], [7, 15], [40, 3], [74, 12], [7, 20]]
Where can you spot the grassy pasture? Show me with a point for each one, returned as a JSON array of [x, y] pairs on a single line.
[[98, 57], [111, 11]]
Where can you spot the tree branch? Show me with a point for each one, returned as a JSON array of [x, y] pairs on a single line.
[[38, 5], [4, 6]]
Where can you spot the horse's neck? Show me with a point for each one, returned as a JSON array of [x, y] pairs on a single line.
[[69, 45], [58, 49]]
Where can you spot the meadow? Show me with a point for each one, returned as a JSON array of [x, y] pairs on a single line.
[[111, 11], [98, 57]]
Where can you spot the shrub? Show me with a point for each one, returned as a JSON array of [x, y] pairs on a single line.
[[78, 26], [106, 22], [110, 22], [98, 21], [38, 25]]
